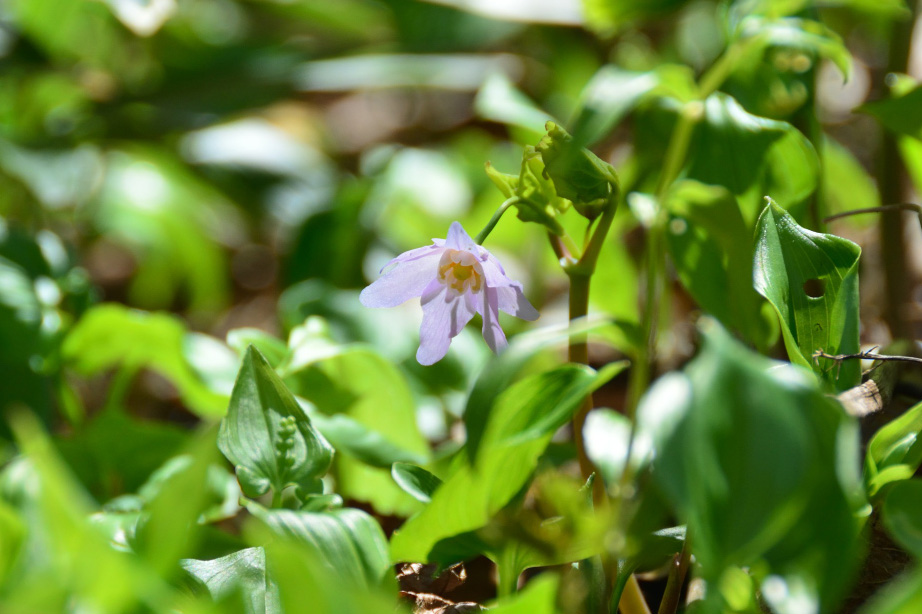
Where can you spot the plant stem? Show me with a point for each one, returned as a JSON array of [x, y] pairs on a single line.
[[890, 176], [675, 580], [483, 234], [276, 499]]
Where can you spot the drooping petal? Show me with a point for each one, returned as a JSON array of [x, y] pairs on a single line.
[[444, 315], [405, 280], [513, 302], [413, 254], [492, 332], [494, 273], [459, 239]]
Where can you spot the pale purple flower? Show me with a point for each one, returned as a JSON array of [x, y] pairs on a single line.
[[455, 278]]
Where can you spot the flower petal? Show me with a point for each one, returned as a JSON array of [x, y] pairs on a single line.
[[494, 273], [444, 315], [407, 279], [492, 332], [513, 302], [459, 239]]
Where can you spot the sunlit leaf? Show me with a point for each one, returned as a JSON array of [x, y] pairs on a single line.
[[268, 437], [901, 515], [811, 280], [505, 459], [895, 445], [243, 571], [111, 335], [348, 541], [764, 476], [366, 406], [415, 481]]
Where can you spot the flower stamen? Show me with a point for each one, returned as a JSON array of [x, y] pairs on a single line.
[[460, 271]]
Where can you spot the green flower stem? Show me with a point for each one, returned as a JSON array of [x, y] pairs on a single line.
[[676, 578], [655, 258], [276, 499], [580, 275], [483, 234]]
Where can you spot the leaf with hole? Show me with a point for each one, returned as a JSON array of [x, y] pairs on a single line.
[[811, 280]]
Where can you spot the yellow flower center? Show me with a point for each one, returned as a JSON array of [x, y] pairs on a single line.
[[460, 271]]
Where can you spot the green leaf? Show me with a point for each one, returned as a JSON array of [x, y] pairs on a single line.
[[268, 437], [499, 101], [895, 445], [170, 530], [901, 114], [901, 515], [578, 174], [12, 536], [115, 448], [763, 466], [900, 596], [506, 457], [348, 541], [111, 335], [415, 481], [244, 572], [801, 34], [351, 437], [538, 597], [499, 374], [811, 280], [730, 146], [711, 247], [607, 98], [61, 540], [366, 406]]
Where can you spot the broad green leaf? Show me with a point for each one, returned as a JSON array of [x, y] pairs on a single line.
[[415, 481], [61, 540], [901, 114], [348, 541], [538, 597], [366, 407], [244, 572], [111, 335], [505, 459], [902, 595], [353, 438], [268, 437], [801, 34], [499, 374], [169, 531], [499, 100], [767, 476], [12, 536], [731, 147], [811, 280], [901, 515], [895, 445], [711, 246], [116, 449], [304, 577]]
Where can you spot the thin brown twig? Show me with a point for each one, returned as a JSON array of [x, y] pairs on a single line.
[[868, 355]]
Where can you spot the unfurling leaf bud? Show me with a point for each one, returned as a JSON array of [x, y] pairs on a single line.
[[577, 174]]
